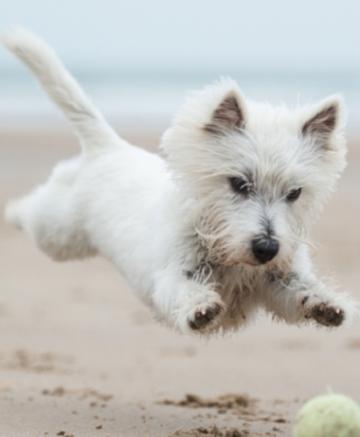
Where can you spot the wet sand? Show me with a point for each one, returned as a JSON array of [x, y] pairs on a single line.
[[81, 356]]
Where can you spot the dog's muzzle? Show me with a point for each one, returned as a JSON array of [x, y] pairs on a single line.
[[264, 249]]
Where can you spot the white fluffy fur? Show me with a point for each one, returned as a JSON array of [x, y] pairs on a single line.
[[173, 226]]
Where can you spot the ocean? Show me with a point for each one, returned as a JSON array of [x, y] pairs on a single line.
[[152, 96]]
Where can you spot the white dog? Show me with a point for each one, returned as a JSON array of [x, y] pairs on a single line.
[[213, 232]]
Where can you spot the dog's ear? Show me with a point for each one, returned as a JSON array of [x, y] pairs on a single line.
[[323, 122], [228, 116]]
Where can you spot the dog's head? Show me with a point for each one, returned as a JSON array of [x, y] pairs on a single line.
[[258, 174]]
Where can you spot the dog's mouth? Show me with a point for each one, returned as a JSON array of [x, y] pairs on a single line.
[[267, 265], [246, 261], [255, 264]]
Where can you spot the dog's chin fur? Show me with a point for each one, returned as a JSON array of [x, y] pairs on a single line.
[[176, 227]]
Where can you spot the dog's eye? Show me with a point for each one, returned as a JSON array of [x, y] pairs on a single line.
[[293, 195], [240, 185]]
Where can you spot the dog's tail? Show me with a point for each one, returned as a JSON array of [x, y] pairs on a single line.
[[90, 126]]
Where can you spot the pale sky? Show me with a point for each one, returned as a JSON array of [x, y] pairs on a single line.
[[193, 34]]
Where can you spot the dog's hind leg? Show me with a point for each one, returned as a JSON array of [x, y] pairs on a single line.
[[52, 216]]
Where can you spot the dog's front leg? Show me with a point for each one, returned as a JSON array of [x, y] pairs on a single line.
[[185, 303], [298, 296], [296, 299]]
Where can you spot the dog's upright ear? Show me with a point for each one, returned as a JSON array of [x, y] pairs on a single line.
[[325, 119], [229, 115]]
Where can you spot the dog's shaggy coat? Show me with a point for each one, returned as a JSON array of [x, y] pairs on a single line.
[[213, 232]]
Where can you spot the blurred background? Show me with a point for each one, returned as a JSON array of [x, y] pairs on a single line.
[[79, 355], [138, 59]]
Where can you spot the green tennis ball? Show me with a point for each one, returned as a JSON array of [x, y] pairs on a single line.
[[331, 415]]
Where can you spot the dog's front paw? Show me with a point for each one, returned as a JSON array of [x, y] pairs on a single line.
[[200, 313], [324, 313], [205, 316], [327, 315]]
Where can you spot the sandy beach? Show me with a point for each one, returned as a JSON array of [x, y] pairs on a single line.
[[80, 356]]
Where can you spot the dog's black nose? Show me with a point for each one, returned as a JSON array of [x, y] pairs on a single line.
[[265, 249]]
